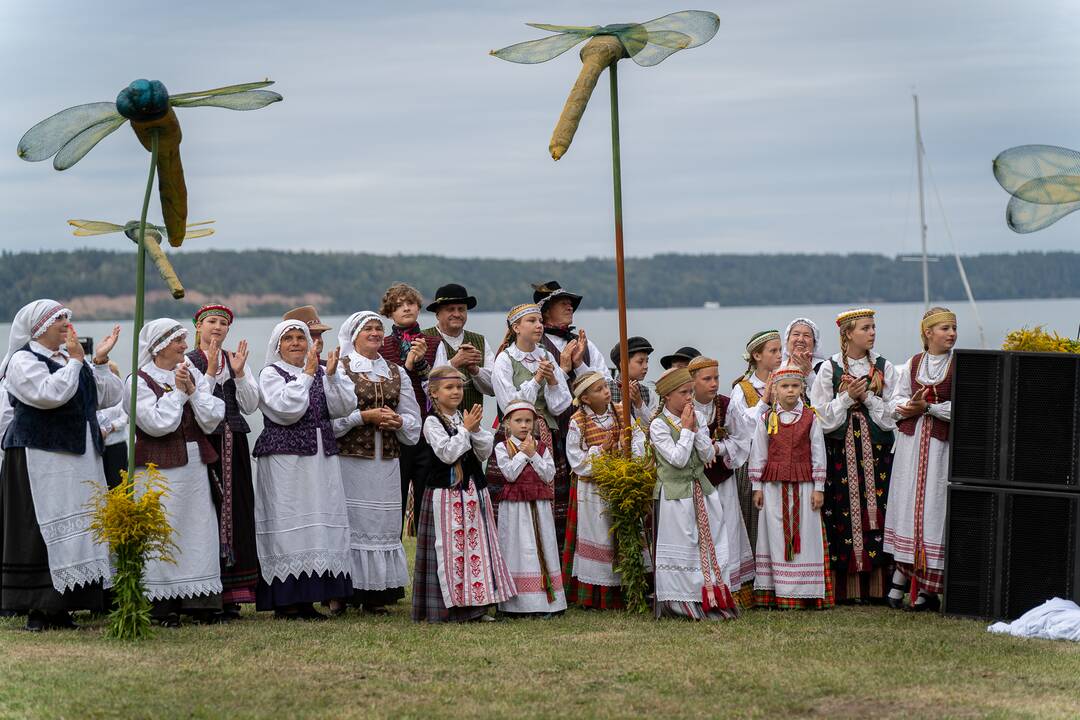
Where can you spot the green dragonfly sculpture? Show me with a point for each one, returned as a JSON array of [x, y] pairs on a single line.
[[647, 44], [1044, 182], [70, 134]]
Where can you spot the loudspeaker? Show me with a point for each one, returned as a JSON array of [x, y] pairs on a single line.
[[1009, 550]]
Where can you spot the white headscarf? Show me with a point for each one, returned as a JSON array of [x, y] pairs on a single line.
[[30, 322], [351, 328], [155, 335], [273, 352], [817, 356]]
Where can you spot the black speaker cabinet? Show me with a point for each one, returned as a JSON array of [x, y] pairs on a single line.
[[1015, 419], [1009, 550]]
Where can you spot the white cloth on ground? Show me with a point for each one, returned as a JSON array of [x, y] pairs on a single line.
[[1055, 619]]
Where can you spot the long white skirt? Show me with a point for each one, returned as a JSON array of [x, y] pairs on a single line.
[[517, 538], [373, 498], [678, 560], [191, 512], [742, 553], [594, 549], [804, 576], [900, 518], [61, 485], [301, 525]]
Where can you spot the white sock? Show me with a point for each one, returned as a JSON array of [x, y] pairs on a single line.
[[898, 578]]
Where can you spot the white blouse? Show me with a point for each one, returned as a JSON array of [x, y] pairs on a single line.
[[597, 361], [556, 396], [448, 448], [29, 380], [482, 379], [286, 402], [932, 370], [750, 415], [160, 416], [247, 387], [511, 467], [376, 370], [677, 453], [579, 458], [832, 410], [735, 448], [759, 452]]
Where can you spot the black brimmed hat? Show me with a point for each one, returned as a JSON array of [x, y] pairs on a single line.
[[546, 292], [634, 344], [452, 294], [686, 353]]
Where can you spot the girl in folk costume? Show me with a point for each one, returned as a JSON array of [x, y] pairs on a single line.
[[849, 395], [787, 467], [801, 348], [525, 370], [174, 410], [693, 572], [234, 493], [589, 551], [371, 439], [49, 562], [915, 522], [526, 525], [460, 570], [301, 521], [731, 442]]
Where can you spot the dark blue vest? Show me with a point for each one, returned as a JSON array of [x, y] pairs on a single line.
[[61, 429]]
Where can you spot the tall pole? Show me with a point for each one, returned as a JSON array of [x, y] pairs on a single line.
[[922, 207], [616, 172], [140, 297]]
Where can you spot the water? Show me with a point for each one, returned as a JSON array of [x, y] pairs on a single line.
[[720, 333]]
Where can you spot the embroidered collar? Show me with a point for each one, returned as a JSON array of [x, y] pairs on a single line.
[[536, 355], [362, 364]]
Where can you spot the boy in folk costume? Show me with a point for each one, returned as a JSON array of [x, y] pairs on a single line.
[[589, 550], [643, 402], [915, 522], [731, 441], [850, 395], [787, 468], [691, 558], [459, 570], [526, 524]]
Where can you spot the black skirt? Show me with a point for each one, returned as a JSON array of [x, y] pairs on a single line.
[[114, 460], [240, 578], [25, 581]]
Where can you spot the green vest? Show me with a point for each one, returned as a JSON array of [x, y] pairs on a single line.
[[879, 436], [523, 375], [677, 482], [471, 396]]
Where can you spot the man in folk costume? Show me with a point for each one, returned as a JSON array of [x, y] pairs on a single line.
[[175, 409], [850, 395], [231, 481], [49, 562], [731, 440], [308, 315], [577, 354], [915, 522]]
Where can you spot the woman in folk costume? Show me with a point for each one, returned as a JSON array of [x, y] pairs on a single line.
[[525, 370], [174, 411], [526, 524], [691, 557], [589, 551], [49, 562], [301, 522], [731, 441], [787, 467], [460, 570], [801, 348], [850, 395], [915, 522], [371, 439], [234, 493]]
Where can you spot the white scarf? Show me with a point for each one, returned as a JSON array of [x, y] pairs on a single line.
[[273, 350], [31, 322]]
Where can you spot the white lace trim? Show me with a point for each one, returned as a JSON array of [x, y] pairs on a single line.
[[93, 571], [312, 562], [375, 542], [171, 591]]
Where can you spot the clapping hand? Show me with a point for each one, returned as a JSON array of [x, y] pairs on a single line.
[[915, 406], [75, 350], [183, 379], [528, 445], [802, 359], [416, 353], [311, 361], [101, 352], [213, 358], [238, 360], [332, 361], [471, 418]]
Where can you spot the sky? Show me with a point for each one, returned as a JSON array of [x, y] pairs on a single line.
[[791, 131]]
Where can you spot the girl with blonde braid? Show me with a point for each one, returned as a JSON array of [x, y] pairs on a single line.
[[851, 394]]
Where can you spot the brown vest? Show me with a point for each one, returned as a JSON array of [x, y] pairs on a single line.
[[360, 441], [170, 451], [718, 472], [939, 429]]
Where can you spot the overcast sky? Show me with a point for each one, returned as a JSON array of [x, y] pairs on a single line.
[[790, 131]]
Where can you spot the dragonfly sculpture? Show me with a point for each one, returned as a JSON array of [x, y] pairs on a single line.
[[1044, 182], [647, 44], [154, 233], [70, 134]]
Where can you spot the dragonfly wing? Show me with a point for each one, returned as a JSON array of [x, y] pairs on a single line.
[[227, 90], [202, 232], [201, 222], [538, 51], [698, 25], [247, 100], [1025, 217], [583, 30], [660, 45], [75, 148], [1037, 173], [48, 136], [84, 228]]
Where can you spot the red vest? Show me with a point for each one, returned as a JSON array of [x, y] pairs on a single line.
[[789, 452], [528, 485], [942, 392], [170, 451], [719, 472]]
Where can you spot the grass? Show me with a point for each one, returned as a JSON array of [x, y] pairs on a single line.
[[849, 662]]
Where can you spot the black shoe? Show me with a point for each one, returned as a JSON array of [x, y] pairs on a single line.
[[308, 612], [61, 621], [231, 611], [897, 603], [930, 602], [172, 620], [35, 621], [376, 610], [211, 617]]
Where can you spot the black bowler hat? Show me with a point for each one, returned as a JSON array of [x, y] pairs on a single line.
[[546, 292], [634, 344], [686, 353], [452, 294]]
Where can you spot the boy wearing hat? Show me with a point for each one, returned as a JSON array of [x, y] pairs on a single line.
[[638, 350], [460, 348], [680, 358]]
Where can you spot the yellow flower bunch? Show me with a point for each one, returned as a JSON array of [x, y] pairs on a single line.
[[1036, 339]]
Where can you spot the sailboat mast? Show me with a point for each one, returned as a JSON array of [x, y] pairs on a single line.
[[922, 206]]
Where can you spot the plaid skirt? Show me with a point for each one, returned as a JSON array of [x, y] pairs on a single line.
[[427, 597], [587, 595]]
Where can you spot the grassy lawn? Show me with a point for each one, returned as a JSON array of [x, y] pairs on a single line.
[[848, 662]]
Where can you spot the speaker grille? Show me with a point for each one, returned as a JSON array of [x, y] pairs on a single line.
[[976, 412], [1043, 426], [970, 554], [1040, 544]]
